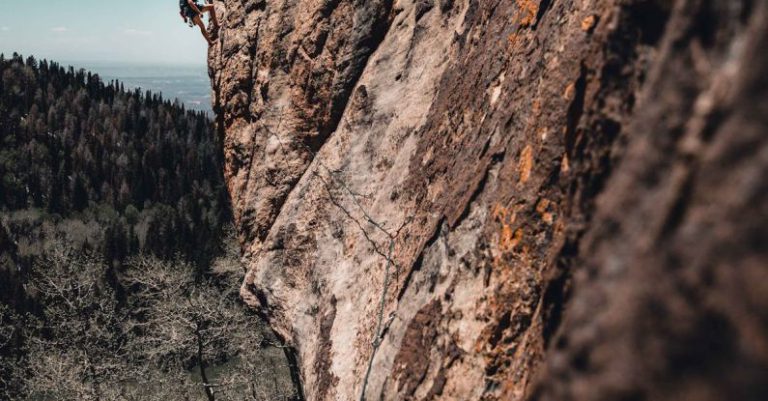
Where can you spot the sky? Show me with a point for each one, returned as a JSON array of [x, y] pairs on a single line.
[[147, 32]]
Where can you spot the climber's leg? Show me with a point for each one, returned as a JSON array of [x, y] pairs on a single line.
[[212, 10], [199, 23]]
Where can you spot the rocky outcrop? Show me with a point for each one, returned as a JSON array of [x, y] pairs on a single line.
[[523, 199]]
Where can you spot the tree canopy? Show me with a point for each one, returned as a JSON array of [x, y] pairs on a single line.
[[118, 277]]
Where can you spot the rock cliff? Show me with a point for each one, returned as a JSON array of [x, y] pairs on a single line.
[[503, 199]]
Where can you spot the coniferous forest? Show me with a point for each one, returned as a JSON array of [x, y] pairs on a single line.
[[74, 147], [118, 273]]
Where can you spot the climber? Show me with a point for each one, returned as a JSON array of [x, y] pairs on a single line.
[[192, 12]]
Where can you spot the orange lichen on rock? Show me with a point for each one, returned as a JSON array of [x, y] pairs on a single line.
[[512, 38], [529, 9], [565, 165], [528, 12], [588, 23], [542, 208], [506, 218], [536, 107], [570, 91], [510, 237], [526, 164]]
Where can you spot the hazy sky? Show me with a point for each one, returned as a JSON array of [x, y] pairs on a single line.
[[138, 31]]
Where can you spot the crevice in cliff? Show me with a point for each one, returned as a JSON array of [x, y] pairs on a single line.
[[331, 197], [544, 7], [494, 161], [419, 261], [262, 309], [293, 364], [381, 326], [371, 43], [575, 111], [313, 143], [651, 19], [557, 292]]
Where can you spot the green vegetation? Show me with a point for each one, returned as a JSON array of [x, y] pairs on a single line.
[[74, 148], [118, 277]]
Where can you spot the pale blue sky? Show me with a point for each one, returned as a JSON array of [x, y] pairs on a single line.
[[132, 31]]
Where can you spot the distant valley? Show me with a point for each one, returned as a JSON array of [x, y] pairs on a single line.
[[188, 83]]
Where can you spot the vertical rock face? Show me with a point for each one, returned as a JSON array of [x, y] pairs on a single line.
[[523, 199]]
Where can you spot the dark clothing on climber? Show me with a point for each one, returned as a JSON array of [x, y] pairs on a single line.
[[187, 11], [194, 17]]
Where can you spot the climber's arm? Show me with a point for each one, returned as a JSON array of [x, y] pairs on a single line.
[[193, 5]]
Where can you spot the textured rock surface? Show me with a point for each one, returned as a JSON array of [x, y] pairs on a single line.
[[571, 194]]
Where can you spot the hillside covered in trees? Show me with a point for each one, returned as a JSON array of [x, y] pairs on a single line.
[[76, 147], [118, 279]]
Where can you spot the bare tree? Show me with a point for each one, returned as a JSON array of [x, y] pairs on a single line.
[[8, 363], [175, 334], [192, 322], [75, 348]]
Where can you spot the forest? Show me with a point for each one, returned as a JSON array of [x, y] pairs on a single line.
[[118, 269]]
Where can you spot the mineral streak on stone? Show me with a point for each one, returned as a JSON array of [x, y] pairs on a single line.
[[576, 191]]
